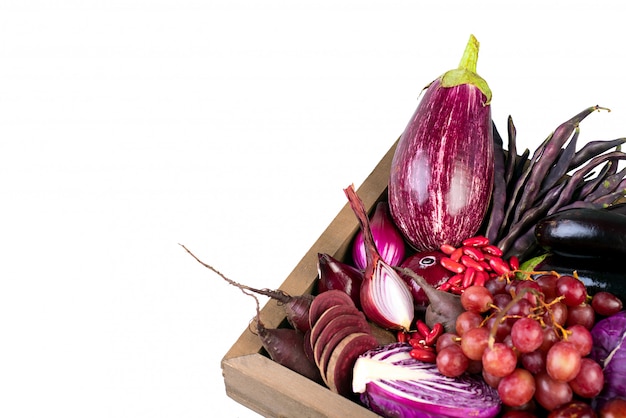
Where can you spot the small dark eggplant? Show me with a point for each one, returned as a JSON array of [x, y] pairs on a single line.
[[583, 232]]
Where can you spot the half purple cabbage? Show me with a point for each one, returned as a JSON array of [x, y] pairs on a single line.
[[609, 350], [393, 384]]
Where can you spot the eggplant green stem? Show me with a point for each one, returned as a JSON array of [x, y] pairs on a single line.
[[466, 72], [470, 55]]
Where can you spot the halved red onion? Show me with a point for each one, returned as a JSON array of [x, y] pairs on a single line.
[[385, 298], [388, 239]]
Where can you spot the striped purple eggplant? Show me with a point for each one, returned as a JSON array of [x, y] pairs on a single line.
[[442, 172]]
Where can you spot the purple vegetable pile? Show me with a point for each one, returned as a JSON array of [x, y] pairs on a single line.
[[482, 283]]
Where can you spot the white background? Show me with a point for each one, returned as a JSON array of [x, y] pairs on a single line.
[[127, 127]]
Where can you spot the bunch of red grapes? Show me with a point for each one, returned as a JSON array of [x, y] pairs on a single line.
[[530, 338]]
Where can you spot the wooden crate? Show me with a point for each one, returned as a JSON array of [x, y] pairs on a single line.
[[251, 378]]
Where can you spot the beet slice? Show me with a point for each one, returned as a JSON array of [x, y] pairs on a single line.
[[336, 330], [327, 349], [330, 314], [341, 363], [325, 300], [308, 348]]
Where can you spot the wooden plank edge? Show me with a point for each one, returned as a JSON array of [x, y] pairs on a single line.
[[272, 390]]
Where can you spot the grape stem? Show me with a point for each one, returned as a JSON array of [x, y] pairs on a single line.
[[501, 316], [543, 306]]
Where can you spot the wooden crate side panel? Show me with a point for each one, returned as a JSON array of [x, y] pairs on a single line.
[[274, 391]]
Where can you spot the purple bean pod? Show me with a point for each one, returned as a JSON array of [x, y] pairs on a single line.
[[530, 217], [522, 162], [559, 168], [609, 185], [512, 154], [548, 156], [593, 149], [524, 245], [618, 196], [525, 169], [592, 184], [520, 167], [577, 177], [581, 204], [498, 196]]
